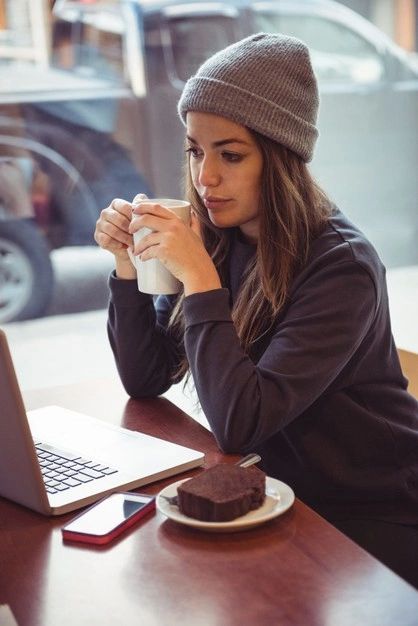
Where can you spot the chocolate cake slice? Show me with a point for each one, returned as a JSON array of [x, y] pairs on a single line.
[[222, 493]]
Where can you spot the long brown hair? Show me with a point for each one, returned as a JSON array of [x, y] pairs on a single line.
[[293, 211]]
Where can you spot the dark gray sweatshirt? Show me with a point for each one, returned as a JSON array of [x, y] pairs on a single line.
[[321, 396]]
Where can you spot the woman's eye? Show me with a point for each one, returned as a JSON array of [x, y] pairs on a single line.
[[232, 157], [194, 152]]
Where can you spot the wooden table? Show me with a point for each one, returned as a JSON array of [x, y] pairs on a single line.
[[297, 569]]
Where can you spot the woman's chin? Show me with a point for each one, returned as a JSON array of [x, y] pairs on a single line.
[[221, 221]]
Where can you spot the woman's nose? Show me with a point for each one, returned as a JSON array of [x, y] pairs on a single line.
[[209, 175]]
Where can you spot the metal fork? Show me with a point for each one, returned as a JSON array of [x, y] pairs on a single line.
[[246, 461]]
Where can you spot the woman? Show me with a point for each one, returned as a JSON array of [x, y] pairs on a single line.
[[284, 321]]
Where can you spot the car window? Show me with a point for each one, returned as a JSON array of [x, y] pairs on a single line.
[[93, 47], [338, 53], [195, 39]]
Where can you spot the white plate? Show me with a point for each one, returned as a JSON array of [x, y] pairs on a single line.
[[279, 498]]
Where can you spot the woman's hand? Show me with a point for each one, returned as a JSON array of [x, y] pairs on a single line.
[[176, 244], [112, 234]]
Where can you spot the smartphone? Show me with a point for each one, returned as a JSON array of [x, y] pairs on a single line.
[[108, 518]]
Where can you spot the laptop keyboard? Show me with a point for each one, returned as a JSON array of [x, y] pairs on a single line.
[[64, 470]]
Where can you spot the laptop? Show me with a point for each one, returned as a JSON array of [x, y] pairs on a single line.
[[54, 460]]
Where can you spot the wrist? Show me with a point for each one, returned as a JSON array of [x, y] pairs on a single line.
[[124, 268], [199, 284]]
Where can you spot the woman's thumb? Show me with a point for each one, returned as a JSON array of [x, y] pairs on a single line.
[[139, 197]]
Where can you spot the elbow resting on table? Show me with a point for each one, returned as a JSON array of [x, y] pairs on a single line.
[[228, 448], [232, 445], [137, 389], [239, 431]]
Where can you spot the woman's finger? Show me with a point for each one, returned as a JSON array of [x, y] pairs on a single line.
[[108, 243], [145, 243], [111, 230], [119, 207], [118, 220], [154, 222], [152, 208], [139, 198]]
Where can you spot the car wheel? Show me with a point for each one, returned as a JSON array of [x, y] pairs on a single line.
[[26, 274]]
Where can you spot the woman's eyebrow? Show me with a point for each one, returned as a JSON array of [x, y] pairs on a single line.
[[221, 142]]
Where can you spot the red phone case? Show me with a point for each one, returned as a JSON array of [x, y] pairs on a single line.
[[69, 535]]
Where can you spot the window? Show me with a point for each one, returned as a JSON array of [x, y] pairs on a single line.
[[91, 47], [193, 40], [338, 53]]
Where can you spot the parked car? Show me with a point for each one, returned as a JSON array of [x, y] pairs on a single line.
[[101, 122]]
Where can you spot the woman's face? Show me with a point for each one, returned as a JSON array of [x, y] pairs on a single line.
[[225, 165]]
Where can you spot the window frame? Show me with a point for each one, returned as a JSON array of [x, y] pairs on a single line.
[[203, 10]]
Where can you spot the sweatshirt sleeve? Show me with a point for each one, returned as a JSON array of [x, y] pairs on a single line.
[[146, 353], [247, 403]]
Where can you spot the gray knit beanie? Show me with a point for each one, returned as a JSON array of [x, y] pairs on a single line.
[[264, 82]]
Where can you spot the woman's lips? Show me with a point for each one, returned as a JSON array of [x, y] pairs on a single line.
[[212, 203]]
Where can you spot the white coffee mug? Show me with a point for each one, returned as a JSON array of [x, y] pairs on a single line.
[[152, 275]]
